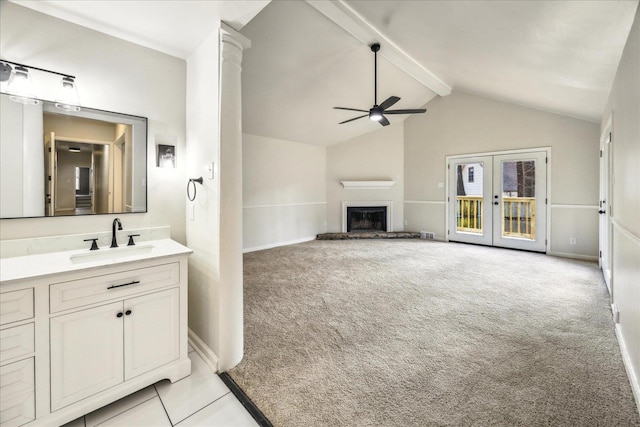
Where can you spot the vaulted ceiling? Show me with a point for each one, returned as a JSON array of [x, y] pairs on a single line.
[[309, 56], [558, 56]]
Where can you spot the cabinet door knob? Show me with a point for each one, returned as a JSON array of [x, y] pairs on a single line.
[[119, 314], [128, 312]]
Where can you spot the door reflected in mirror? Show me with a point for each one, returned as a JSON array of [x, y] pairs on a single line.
[[57, 163]]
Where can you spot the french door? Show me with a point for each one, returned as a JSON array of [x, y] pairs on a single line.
[[499, 200]]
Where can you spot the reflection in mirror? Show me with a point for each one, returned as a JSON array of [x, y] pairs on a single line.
[[56, 163]]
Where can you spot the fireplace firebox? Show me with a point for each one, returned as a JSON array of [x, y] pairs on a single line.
[[369, 218]]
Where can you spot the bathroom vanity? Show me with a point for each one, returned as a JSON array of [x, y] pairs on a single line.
[[80, 329]]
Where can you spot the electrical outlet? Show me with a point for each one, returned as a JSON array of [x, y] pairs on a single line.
[[406, 222], [192, 212], [572, 241], [616, 313]]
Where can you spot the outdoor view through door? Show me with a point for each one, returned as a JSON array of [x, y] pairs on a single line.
[[499, 200]]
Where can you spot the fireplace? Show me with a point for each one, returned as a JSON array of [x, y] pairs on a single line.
[[370, 218], [363, 216]]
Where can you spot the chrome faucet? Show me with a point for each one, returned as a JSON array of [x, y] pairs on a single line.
[[114, 242]]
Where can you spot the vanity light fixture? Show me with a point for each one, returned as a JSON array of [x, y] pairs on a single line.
[[67, 99], [20, 86]]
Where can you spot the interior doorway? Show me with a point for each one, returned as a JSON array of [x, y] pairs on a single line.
[[499, 199]]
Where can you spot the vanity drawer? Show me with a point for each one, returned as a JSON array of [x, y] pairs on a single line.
[[17, 341], [16, 306], [90, 290], [17, 394]]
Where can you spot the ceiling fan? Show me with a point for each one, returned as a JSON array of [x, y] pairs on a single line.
[[377, 112]]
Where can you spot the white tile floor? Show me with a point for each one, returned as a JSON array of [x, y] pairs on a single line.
[[201, 399]]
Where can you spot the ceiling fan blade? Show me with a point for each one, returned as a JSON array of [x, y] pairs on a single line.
[[414, 111], [389, 102], [350, 109], [383, 121], [355, 118]]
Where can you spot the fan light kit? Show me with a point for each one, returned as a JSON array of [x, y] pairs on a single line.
[[20, 86], [377, 112]]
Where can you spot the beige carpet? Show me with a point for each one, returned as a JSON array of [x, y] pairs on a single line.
[[420, 333]]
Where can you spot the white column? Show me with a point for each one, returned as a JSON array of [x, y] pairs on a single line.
[[232, 44]]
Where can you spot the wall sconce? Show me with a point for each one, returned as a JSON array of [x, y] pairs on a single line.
[[20, 86]]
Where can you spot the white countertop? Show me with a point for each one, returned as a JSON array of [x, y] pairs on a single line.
[[32, 266]]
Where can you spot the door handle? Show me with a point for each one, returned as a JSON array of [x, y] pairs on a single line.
[[602, 212], [496, 203]]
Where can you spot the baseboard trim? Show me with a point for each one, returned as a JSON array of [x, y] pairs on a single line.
[[626, 360], [275, 245], [574, 256], [242, 397], [203, 351]]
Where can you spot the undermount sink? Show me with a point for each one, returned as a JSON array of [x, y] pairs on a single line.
[[110, 253]]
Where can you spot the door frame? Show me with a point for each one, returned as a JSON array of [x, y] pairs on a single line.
[[546, 150], [605, 227]]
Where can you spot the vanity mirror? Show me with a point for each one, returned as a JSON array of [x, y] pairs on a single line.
[[56, 163]]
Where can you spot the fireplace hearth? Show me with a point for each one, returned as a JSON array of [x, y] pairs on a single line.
[[366, 218]]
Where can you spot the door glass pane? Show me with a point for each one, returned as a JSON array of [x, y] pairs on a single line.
[[469, 182], [518, 199]]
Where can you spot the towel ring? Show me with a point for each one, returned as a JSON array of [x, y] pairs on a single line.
[[193, 180]]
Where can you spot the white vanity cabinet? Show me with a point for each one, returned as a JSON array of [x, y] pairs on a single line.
[[106, 345], [17, 349], [74, 341]]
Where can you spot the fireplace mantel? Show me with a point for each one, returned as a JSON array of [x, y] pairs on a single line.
[[367, 185]]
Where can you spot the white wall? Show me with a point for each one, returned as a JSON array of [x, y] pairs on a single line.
[[624, 105], [463, 123], [214, 228], [376, 156], [203, 231], [284, 192], [112, 75]]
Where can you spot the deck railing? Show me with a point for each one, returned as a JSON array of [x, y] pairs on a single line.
[[469, 214], [519, 219]]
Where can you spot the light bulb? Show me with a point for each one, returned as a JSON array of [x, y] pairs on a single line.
[[375, 114]]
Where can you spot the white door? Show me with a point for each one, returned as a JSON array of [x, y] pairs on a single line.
[[499, 200], [519, 201], [151, 331], [605, 209], [86, 354]]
